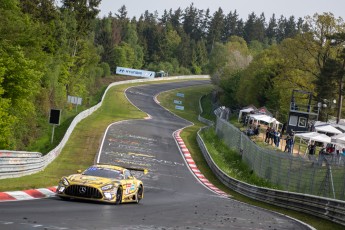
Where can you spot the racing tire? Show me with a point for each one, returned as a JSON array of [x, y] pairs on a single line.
[[118, 196], [139, 194]]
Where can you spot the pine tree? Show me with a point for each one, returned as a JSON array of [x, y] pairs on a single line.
[[271, 31], [216, 29]]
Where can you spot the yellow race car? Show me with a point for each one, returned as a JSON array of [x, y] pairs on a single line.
[[101, 182]]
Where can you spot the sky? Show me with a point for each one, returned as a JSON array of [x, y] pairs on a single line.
[[287, 8]]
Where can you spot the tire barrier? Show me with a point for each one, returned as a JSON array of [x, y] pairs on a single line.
[[19, 163]]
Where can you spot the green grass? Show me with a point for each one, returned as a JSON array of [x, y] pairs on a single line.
[[207, 108], [230, 161]]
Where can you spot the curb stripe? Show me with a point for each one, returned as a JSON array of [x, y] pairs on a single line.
[[27, 194], [188, 158], [20, 195], [34, 193], [46, 192], [4, 196]]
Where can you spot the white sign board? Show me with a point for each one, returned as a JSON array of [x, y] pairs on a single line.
[[135, 72], [179, 107], [74, 100], [178, 102]]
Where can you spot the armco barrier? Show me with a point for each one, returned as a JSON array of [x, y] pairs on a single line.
[[330, 209], [19, 163]]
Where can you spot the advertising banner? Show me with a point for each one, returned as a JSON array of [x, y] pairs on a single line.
[[135, 72]]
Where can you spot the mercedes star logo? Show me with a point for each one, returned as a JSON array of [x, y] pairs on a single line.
[[82, 190]]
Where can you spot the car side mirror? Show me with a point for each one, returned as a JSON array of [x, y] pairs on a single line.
[[78, 171]]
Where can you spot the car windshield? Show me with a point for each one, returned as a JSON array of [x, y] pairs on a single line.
[[103, 172]]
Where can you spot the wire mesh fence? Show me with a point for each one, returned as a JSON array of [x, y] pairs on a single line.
[[318, 176]]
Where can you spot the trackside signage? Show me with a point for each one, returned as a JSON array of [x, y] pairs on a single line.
[[135, 72]]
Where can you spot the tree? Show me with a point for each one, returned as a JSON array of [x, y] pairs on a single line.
[[20, 81], [216, 29], [225, 66], [124, 55], [169, 43], [191, 22], [335, 68], [104, 38], [262, 83], [175, 18], [281, 29], [42, 10], [271, 31], [290, 28], [85, 12], [230, 25]]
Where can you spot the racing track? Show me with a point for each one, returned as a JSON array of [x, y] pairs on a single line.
[[174, 199]]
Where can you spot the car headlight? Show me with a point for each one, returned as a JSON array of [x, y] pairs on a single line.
[[107, 187], [64, 181]]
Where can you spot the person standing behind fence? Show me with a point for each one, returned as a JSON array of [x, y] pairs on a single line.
[[287, 143], [311, 148], [267, 134], [277, 138], [271, 136]]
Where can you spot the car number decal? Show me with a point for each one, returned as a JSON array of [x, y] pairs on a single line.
[[128, 187]]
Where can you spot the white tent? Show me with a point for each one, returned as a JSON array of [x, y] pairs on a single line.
[[327, 128], [265, 118], [338, 139], [314, 136], [246, 110]]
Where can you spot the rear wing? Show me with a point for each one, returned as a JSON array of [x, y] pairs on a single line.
[[138, 169], [125, 167]]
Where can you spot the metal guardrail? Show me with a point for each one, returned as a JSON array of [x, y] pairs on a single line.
[[326, 208], [18, 163]]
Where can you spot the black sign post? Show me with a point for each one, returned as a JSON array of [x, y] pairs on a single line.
[[54, 119]]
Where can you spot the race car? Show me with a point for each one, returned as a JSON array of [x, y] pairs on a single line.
[[101, 182]]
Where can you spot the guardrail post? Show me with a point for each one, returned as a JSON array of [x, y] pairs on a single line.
[[312, 179], [289, 171]]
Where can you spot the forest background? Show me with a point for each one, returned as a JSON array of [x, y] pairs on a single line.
[[50, 51]]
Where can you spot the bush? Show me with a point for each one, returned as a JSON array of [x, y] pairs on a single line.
[[106, 69]]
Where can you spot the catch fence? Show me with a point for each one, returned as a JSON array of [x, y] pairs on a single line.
[[315, 176]]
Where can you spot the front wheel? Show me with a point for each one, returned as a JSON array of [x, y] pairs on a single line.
[[140, 193], [118, 196]]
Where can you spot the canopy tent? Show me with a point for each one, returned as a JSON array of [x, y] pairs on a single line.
[[247, 109], [314, 136], [327, 128], [264, 110], [338, 139], [264, 118]]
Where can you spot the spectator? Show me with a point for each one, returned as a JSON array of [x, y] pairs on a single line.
[[288, 140], [271, 136], [268, 130], [311, 148], [256, 130], [277, 138]]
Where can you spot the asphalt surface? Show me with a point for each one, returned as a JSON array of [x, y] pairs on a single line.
[[173, 199]]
